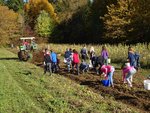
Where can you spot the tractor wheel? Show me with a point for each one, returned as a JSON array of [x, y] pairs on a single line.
[[20, 55], [23, 55]]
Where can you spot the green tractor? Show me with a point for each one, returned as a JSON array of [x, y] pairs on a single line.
[[27, 47]]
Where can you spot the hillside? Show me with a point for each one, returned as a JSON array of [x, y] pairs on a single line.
[[24, 88]]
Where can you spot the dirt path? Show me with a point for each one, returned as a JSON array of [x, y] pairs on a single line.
[[136, 96]]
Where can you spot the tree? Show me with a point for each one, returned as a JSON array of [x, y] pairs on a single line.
[[44, 24], [33, 8], [16, 5], [141, 20], [10, 27], [118, 21]]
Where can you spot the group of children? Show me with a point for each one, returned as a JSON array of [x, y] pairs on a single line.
[[98, 63], [51, 62]]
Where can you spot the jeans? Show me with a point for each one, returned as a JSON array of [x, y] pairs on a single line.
[[106, 61], [130, 76], [68, 65], [110, 76], [48, 67], [54, 67], [77, 66]]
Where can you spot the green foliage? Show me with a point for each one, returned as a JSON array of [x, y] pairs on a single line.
[[10, 26], [33, 8], [44, 24], [16, 5]]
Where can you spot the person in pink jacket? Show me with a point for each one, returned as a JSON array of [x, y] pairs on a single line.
[[128, 72], [108, 72], [75, 61]]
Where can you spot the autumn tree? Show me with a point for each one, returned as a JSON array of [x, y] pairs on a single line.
[[44, 24], [118, 21], [33, 8], [10, 27], [141, 21]]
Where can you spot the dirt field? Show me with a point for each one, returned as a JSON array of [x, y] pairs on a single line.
[[136, 97]]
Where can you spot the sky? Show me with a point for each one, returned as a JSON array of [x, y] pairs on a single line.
[[25, 0]]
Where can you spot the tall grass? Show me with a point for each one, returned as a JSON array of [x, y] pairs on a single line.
[[117, 53]]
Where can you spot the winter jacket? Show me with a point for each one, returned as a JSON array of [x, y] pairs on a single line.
[[47, 58], [104, 54], [54, 57], [106, 69], [76, 58]]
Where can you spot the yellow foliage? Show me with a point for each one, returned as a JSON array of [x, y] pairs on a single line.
[[10, 26], [34, 7]]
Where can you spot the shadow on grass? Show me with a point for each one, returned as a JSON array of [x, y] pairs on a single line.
[[24, 72], [90, 83], [13, 58]]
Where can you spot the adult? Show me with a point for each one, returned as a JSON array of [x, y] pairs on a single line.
[[26, 44]]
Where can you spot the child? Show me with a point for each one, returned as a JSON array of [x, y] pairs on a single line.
[[68, 59], [92, 56], [134, 58], [84, 67], [108, 72], [75, 61], [53, 57], [84, 53], [104, 54], [47, 62], [128, 72]]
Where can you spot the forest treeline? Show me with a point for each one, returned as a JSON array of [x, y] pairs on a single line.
[[79, 21]]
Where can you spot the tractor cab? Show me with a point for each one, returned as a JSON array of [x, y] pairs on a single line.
[[28, 43], [27, 47]]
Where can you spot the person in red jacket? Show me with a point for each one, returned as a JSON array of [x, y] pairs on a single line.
[[75, 61]]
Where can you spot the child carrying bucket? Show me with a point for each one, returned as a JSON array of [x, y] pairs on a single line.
[[128, 72], [108, 72]]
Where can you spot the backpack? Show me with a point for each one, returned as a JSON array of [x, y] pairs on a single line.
[[67, 54], [137, 60], [83, 51]]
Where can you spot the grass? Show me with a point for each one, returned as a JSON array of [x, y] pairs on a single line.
[[24, 88]]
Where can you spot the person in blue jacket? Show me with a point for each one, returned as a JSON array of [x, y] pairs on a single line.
[[53, 56], [133, 58]]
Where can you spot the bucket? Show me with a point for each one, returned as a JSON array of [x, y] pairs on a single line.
[[147, 84], [105, 82], [127, 64], [109, 60]]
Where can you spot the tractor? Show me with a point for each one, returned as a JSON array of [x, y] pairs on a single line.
[[26, 48]]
